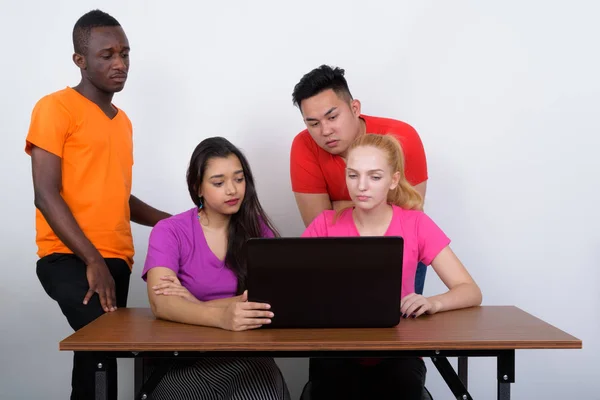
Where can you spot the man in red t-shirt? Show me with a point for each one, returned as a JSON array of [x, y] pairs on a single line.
[[333, 120], [317, 168]]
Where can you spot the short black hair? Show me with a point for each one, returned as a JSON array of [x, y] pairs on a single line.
[[83, 28], [319, 80]]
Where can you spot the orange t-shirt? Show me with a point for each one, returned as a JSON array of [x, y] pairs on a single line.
[[314, 170], [97, 159]]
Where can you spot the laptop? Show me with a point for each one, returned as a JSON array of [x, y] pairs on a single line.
[[345, 282]]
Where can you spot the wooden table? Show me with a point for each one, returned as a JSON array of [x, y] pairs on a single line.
[[488, 331]]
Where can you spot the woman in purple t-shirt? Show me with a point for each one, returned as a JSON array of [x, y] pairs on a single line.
[[195, 270]]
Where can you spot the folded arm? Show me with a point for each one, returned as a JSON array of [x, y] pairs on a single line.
[[234, 313]]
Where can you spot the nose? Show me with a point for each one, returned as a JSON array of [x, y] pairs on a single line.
[[363, 183], [119, 63], [326, 128], [231, 188]]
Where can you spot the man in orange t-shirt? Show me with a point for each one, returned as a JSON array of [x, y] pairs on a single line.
[[317, 167], [82, 156]]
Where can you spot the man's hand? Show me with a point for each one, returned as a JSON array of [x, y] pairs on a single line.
[[101, 282]]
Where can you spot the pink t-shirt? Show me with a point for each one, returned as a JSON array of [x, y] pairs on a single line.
[[423, 239]]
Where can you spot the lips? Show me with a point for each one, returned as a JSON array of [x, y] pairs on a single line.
[[331, 143], [232, 202], [119, 78], [362, 198]]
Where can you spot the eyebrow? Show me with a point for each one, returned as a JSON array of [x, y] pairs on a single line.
[[369, 171], [223, 175], [125, 48], [332, 109]]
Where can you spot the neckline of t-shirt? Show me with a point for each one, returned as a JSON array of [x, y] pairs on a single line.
[[198, 226], [95, 106], [387, 231], [367, 120]]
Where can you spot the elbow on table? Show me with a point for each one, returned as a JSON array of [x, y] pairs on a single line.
[[478, 297], [158, 308]]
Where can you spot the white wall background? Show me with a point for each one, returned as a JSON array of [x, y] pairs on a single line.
[[504, 94]]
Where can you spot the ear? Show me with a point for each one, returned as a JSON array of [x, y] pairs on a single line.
[[80, 61], [355, 107], [395, 180]]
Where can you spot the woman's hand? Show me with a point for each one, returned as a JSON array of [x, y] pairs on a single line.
[[171, 286], [415, 305], [242, 315]]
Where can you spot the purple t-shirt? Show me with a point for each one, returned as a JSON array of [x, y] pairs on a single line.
[[178, 243]]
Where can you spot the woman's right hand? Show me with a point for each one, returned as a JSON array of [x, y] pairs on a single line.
[[242, 315], [171, 286]]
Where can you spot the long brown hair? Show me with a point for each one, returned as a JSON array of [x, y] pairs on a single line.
[[249, 221], [404, 195]]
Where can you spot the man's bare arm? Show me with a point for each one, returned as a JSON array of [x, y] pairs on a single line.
[[47, 185], [144, 214], [311, 205], [422, 189]]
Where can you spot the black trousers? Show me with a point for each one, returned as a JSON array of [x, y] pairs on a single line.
[[63, 277], [348, 378]]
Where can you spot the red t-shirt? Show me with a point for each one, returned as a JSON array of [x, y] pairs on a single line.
[[314, 170]]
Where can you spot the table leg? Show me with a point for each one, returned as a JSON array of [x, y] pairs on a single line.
[[452, 380], [138, 374], [101, 381], [145, 388], [463, 370], [503, 391], [506, 373]]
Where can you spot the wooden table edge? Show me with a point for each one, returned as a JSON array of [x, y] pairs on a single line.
[[292, 347]]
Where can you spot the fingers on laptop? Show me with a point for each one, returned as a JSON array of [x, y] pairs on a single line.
[[254, 314], [243, 324], [248, 327], [414, 305], [254, 306], [251, 316]]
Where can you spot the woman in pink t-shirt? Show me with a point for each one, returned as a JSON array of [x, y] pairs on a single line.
[[385, 204]]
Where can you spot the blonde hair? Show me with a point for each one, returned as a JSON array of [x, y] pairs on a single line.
[[404, 195]]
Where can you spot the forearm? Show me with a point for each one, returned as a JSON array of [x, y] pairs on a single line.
[[422, 189], [143, 214], [461, 296], [177, 309], [311, 205], [60, 218], [341, 204], [222, 303]]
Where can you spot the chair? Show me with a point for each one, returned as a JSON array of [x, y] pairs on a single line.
[[419, 285]]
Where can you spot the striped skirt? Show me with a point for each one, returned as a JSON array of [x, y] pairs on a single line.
[[223, 379]]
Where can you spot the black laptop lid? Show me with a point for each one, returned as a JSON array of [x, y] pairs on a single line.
[[327, 282]]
